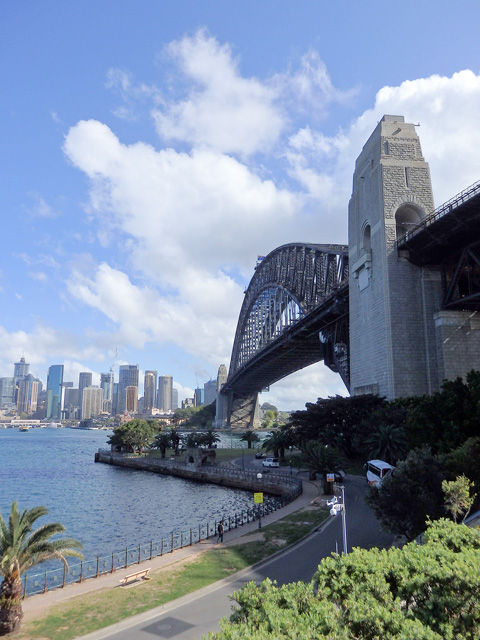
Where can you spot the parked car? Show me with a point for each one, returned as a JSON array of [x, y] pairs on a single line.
[[260, 455], [270, 462]]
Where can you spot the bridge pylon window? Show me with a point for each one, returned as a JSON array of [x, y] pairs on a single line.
[[407, 216]]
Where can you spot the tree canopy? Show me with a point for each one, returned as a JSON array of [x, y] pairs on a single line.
[[426, 592]]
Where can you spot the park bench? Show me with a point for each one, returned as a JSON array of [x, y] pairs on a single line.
[[139, 575]]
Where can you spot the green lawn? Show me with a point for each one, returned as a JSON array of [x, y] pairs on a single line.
[[88, 613]]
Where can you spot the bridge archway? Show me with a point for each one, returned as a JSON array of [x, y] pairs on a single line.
[[298, 292]]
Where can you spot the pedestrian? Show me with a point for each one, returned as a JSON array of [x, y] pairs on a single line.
[[220, 530]]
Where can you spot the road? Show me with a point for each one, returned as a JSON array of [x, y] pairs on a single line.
[[192, 616]]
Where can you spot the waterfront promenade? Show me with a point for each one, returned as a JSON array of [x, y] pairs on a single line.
[[38, 605]]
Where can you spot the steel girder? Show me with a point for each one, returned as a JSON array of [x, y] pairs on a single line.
[[461, 279], [291, 317], [288, 284]]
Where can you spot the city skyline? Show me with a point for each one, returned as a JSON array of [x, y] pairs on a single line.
[[153, 150]]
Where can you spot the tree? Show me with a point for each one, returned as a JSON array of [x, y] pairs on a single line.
[[21, 548], [208, 438], [321, 459], [426, 592], [384, 434], [410, 495], [249, 436], [162, 441], [136, 435], [458, 497], [278, 440], [334, 421]]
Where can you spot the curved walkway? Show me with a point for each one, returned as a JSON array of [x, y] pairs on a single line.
[[35, 606]]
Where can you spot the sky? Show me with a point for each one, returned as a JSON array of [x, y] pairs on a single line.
[[151, 150]]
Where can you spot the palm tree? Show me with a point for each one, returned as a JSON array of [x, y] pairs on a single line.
[[387, 442], [21, 548], [162, 441], [249, 436], [279, 440], [209, 438], [321, 459]]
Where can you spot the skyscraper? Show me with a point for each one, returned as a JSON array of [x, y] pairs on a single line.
[[164, 400], [174, 398], [150, 390], [92, 404], [27, 394], [131, 399], [20, 369], [210, 388], [7, 391], [54, 392], [107, 384], [127, 377]]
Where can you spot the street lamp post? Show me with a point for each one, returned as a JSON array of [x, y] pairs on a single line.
[[259, 478], [335, 508]]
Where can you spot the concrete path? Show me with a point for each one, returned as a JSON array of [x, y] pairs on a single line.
[[35, 606]]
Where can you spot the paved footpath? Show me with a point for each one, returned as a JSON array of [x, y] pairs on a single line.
[[36, 606]]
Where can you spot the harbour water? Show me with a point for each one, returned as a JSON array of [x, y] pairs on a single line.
[[107, 508]]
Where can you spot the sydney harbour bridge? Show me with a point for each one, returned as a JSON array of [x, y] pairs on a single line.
[[296, 307]]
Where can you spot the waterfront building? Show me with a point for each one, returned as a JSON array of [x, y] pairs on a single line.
[[164, 399], [27, 394], [92, 402], [131, 399], [54, 392], [128, 376], [210, 391], [150, 390], [7, 391]]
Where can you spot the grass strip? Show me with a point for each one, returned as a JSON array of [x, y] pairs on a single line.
[[87, 613]]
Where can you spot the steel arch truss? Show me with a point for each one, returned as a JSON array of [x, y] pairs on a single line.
[[461, 279], [288, 284]]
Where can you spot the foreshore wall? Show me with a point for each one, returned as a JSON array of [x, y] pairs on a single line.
[[277, 484]]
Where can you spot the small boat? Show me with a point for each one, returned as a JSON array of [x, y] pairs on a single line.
[[24, 428]]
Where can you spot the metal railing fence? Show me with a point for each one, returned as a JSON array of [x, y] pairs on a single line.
[[100, 565]]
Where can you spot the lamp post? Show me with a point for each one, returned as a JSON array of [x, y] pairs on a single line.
[[259, 478], [335, 508]]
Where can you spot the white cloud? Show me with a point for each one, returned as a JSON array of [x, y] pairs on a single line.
[[223, 110]]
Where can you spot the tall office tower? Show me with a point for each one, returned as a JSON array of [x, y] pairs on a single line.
[[131, 399], [84, 380], [115, 399], [210, 389], [70, 400], [221, 407], [127, 377], [106, 383], [7, 391], [27, 394], [20, 369], [164, 398], [92, 402], [150, 390], [54, 392], [199, 397], [174, 399]]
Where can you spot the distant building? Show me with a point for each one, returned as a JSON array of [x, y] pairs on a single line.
[[84, 380], [107, 384], [7, 391], [131, 399], [28, 388], [188, 402], [150, 390], [210, 389], [20, 369], [127, 377], [199, 397], [174, 398], [54, 392], [164, 398], [92, 402]]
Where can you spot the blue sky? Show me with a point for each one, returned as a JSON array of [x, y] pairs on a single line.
[[151, 150]]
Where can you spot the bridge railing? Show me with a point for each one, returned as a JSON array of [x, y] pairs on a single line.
[[442, 210]]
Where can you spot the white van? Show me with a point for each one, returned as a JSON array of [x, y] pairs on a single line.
[[377, 470], [271, 462]]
